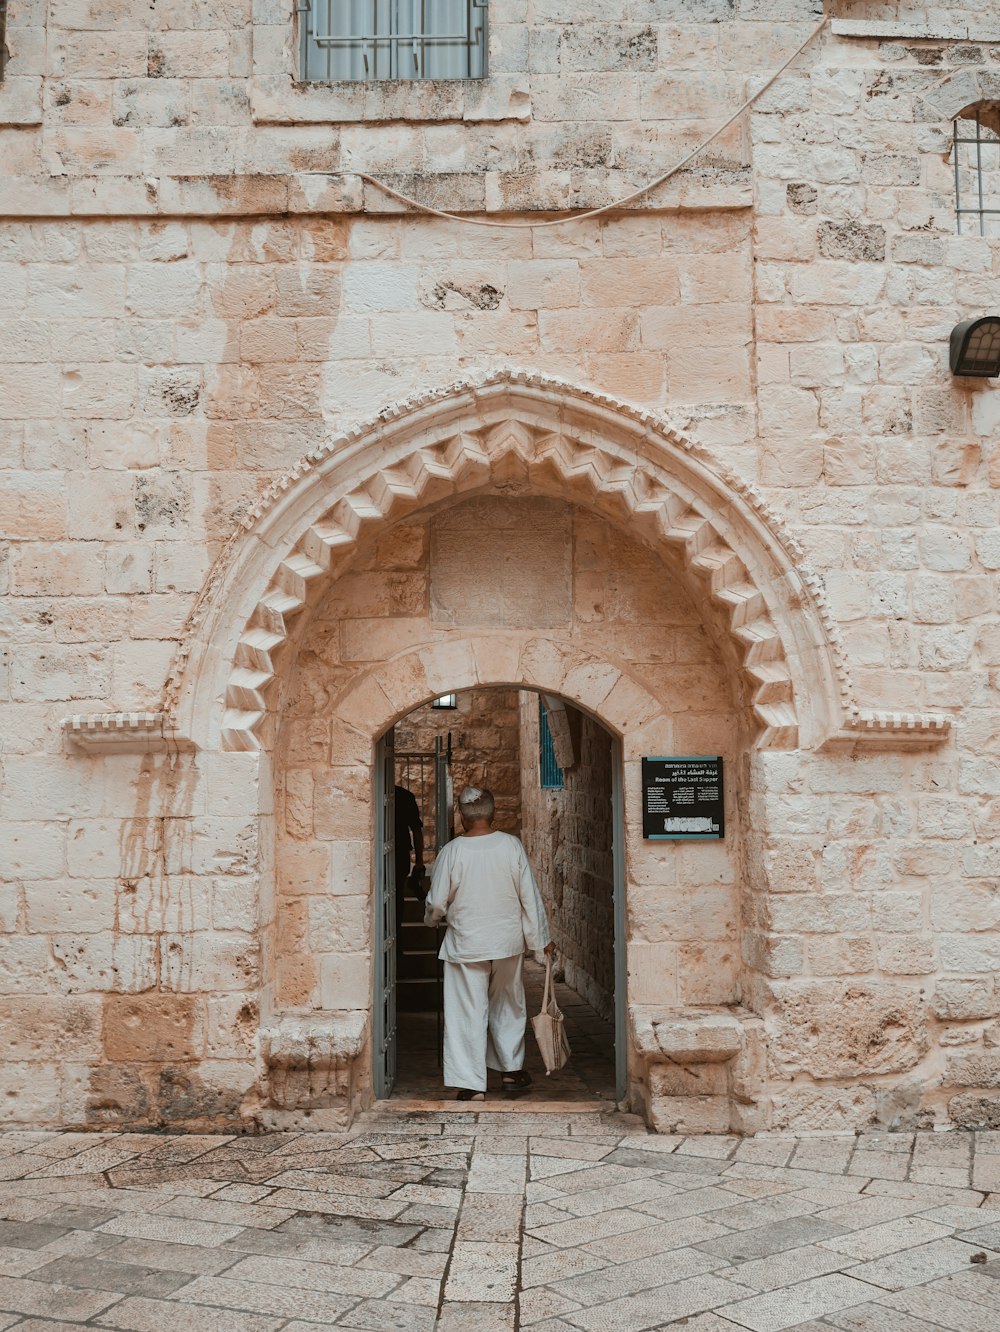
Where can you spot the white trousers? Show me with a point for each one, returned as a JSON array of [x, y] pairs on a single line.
[[484, 1019]]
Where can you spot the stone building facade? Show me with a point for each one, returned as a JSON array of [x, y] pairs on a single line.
[[716, 488]]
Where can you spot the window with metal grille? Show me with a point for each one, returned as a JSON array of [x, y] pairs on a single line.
[[551, 773], [976, 158], [365, 40]]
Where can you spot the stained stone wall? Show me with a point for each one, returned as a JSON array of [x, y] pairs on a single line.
[[198, 287]]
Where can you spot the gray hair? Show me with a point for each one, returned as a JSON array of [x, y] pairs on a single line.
[[476, 802]]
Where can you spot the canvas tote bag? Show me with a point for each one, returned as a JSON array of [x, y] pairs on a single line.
[[549, 1027]]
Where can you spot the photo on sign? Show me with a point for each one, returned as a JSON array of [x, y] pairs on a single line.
[[683, 799]]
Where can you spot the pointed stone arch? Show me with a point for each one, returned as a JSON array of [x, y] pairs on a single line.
[[513, 429], [958, 92]]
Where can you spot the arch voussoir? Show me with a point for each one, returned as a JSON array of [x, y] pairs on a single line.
[[546, 438]]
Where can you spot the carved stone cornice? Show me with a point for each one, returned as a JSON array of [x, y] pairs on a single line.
[[865, 731], [124, 733]]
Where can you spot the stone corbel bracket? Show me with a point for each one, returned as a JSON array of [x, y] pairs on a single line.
[[865, 731], [308, 1061], [704, 1068], [124, 733]]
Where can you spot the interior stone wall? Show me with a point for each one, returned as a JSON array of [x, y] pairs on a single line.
[[568, 836], [485, 750]]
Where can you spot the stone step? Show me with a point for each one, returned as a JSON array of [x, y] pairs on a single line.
[[416, 966]]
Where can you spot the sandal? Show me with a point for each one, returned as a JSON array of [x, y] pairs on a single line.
[[467, 1094], [515, 1084]]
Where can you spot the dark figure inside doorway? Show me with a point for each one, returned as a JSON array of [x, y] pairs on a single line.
[[408, 840]]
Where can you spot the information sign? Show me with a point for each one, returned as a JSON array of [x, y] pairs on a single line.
[[682, 799]]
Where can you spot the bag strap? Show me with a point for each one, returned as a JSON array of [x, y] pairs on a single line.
[[547, 996]]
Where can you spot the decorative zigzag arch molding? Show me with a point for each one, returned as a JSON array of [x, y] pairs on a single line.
[[545, 436]]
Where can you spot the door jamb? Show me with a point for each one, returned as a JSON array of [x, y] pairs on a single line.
[[385, 905], [621, 969]]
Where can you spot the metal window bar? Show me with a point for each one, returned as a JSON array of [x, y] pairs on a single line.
[[551, 775], [971, 173], [415, 771], [397, 40], [3, 37]]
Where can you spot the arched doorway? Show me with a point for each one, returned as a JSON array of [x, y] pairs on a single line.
[[514, 589], [556, 773], [283, 626]]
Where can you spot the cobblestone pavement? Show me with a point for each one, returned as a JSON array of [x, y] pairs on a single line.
[[565, 1222]]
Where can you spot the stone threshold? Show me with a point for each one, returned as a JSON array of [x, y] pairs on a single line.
[[406, 1105]]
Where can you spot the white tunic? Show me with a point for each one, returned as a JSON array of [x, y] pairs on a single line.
[[483, 887]]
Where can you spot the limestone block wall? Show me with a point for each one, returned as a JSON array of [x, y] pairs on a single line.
[[210, 91], [130, 974], [197, 287], [871, 913], [568, 837], [485, 736]]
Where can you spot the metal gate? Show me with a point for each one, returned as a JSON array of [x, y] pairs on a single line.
[[384, 1017], [442, 793]]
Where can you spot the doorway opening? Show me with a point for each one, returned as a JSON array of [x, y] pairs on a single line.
[[556, 774]]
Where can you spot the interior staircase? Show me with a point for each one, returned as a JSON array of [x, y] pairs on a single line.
[[418, 971]]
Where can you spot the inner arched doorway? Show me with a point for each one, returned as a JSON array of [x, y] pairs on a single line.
[[556, 774]]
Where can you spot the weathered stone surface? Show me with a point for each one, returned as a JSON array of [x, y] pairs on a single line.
[[309, 1061], [965, 999], [698, 1038], [852, 240], [835, 1030], [198, 290], [972, 1070], [833, 1109], [970, 1111]]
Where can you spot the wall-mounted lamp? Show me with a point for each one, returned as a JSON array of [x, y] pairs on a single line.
[[975, 347], [446, 701]]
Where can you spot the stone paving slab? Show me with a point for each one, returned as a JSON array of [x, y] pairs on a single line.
[[483, 1222]]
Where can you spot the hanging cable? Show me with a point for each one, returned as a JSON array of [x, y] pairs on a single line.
[[428, 211]]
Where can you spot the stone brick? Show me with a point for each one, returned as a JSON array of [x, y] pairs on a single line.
[[961, 953], [972, 1070], [85, 906], [873, 1026], [31, 851], [342, 979], [31, 1092], [965, 999], [543, 284], [852, 240], [157, 1027]]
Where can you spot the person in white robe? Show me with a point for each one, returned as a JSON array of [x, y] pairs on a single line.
[[483, 889]]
